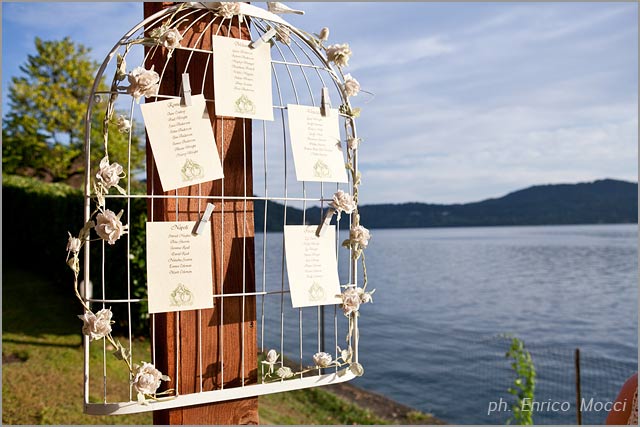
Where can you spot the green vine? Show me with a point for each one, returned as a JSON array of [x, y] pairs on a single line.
[[524, 385]]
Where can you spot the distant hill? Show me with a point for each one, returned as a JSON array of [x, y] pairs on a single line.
[[605, 201]]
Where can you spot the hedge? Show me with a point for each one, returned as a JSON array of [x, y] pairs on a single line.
[[36, 219]]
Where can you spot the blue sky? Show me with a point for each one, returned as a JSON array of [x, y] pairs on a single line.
[[472, 100]]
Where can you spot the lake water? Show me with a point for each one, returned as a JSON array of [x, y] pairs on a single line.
[[431, 338]]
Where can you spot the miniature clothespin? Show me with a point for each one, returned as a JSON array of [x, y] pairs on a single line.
[[263, 38], [204, 219], [326, 221], [325, 102], [186, 91]]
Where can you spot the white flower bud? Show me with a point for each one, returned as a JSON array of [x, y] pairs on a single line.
[[324, 34]]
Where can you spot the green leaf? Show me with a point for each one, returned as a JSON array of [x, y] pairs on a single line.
[[43, 128]]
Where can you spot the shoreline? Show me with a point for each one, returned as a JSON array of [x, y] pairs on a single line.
[[382, 406], [377, 404]]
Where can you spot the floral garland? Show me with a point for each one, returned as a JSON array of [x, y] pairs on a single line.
[[146, 378], [352, 296]]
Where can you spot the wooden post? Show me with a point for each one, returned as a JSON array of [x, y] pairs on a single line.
[[578, 388], [225, 333]]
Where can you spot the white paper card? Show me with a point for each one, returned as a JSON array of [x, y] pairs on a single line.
[[178, 267], [182, 142], [242, 79], [315, 142], [312, 267]]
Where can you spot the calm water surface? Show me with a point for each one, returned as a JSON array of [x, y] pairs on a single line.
[[430, 339]]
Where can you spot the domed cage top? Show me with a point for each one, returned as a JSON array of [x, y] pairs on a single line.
[[252, 306]]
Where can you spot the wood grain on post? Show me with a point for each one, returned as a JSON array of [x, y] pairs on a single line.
[[225, 333]]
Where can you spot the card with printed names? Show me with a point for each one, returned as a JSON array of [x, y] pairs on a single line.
[[315, 143], [242, 79], [312, 267], [182, 142], [179, 275]]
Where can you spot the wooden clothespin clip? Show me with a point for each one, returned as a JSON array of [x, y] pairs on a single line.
[[186, 91], [326, 221], [204, 219], [263, 38], [326, 102]]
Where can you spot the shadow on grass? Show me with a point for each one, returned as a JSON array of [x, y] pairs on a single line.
[[41, 343], [32, 306]]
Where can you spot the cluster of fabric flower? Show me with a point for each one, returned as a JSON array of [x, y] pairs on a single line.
[[321, 360]]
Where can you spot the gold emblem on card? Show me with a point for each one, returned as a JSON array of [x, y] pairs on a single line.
[[191, 170], [181, 296], [316, 292], [321, 170], [245, 106]]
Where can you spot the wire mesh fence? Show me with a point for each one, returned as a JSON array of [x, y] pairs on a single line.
[[556, 399]]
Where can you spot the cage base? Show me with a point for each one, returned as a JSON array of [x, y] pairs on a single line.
[[133, 407]]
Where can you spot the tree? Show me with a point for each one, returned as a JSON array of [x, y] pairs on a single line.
[[43, 133]]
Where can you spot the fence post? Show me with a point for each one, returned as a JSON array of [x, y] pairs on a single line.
[[578, 391], [225, 334]]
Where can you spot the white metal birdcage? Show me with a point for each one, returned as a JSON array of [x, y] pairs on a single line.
[[299, 71]]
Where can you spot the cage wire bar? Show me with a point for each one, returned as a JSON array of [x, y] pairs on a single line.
[[302, 63]]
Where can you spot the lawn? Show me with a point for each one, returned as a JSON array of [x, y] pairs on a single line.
[[42, 367]]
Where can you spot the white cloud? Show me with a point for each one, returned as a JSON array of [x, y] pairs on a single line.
[[398, 53], [471, 102]]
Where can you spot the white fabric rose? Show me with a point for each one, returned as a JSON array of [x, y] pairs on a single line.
[[147, 379], [96, 326], [351, 86], [124, 125], [74, 244], [343, 202], [228, 9], [170, 38], [109, 227], [350, 301], [339, 54], [359, 235], [109, 175], [322, 359], [284, 372], [143, 82]]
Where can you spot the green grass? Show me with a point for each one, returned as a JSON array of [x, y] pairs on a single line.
[[312, 406], [39, 326], [41, 330]]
